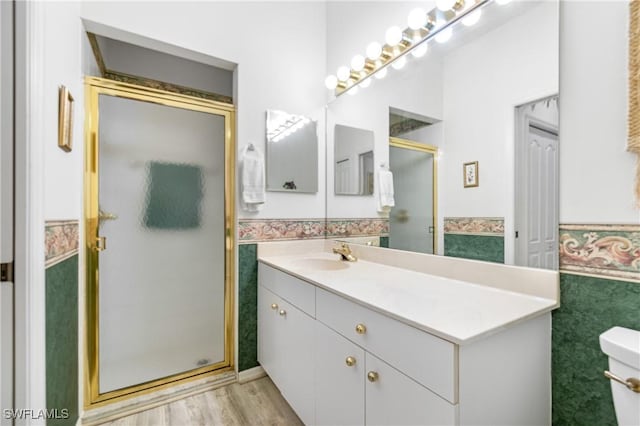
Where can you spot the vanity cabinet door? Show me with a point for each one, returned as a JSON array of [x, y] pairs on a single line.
[[270, 335], [394, 399], [286, 351], [339, 377], [296, 356]]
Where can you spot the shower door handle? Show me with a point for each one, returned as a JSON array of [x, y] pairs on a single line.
[[102, 216]]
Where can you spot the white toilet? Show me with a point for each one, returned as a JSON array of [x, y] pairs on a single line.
[[622, 345]]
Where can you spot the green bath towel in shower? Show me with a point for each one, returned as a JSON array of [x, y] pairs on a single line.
[[174, 193]]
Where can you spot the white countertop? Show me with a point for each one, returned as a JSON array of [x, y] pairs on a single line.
[[455, 310]]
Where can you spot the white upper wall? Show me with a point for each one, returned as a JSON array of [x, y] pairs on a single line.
[[278, 49], [62, 66], [484, 80], [596, 173]]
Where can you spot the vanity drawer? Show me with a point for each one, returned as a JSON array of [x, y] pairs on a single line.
[[427, 359], [295, 291]]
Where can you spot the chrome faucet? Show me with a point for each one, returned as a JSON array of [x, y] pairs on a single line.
[[345, 252]]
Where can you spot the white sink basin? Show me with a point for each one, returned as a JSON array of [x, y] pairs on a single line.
[[321, 264]]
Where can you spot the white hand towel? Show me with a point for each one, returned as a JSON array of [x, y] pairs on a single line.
[[385, 191], [253, 189]]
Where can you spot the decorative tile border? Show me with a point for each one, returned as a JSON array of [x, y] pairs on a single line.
[[493, 226], [357, 227], [61, 240], [261, 230], [611, 251]]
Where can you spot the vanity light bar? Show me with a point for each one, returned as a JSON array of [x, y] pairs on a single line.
[[399, 43]]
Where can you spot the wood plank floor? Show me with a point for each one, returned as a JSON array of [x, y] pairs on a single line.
[[254, 403]]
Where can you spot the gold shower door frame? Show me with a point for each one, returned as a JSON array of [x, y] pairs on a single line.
[[433, 150], [94, 87]]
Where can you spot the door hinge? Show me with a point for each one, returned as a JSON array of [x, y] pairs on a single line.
[[6, 272], [516, 234]]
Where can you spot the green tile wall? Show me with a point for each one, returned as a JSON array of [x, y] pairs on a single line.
[[62, 339], [478, 247], [384, 242], [247, 306], [589, 306]]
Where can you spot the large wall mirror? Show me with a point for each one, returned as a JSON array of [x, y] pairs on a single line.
[[292, 153], [476, 172]]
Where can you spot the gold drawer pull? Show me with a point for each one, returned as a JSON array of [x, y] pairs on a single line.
[[361, 329], [274, 306], [351, 361], [372, 376], [631, 383], [282, 312]]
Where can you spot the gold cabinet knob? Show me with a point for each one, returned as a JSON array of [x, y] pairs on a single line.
[[282, 312], [372, 376], [350, 361], [274, 306], [361, 329]]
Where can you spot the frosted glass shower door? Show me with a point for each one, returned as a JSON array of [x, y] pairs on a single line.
[[161, 293]]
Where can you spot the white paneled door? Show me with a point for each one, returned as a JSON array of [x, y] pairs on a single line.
[[542, 181], [6, 206]]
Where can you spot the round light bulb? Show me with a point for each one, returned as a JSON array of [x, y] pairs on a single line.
[[353, 90], [472, 18], [393, 36], [365, 83], [417, 19], [502, 1], [419, 51], [445, 5], [382, 73], [343, 73], [331, 82], [444, 35], [399, 63], [374, 50], [357, 63]]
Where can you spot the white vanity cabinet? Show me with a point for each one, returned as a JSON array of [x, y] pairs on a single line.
[[286, 344], [338, 362], [382, 387]]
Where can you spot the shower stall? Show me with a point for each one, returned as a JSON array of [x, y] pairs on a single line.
[[159, 215]]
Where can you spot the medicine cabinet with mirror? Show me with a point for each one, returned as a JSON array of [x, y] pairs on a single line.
[[292, 153], [489, 94]]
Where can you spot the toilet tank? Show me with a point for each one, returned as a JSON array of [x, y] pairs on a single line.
[[622, 346]]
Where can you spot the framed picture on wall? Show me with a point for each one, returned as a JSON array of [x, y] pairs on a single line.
[[470, 174], [65, 119]]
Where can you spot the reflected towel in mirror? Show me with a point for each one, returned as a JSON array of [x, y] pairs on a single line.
[[385, 191], [253, 179]]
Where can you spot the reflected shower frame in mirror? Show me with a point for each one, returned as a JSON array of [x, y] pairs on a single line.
[[354, 160], [292, 153], [471, 86]]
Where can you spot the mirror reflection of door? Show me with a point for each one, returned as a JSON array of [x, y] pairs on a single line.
[[366, 173], [412, 219], [536, 211]]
